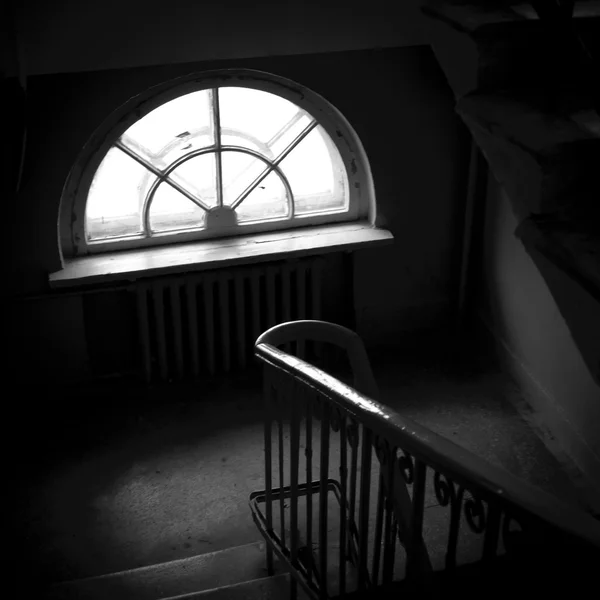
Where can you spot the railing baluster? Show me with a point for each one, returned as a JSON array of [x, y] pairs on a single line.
[[323, 497], [492, 533], [390, 554], [353, 438], [294, 466], [389, 550], [343, 505], [280, 423], [365, 485], [268, 395], [447, 494], [415, 553], [378, 532], [308, 454]]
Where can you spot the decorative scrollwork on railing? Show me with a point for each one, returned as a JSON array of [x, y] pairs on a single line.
[[406, 465], [446, 492], [352, 433], [475, 513]]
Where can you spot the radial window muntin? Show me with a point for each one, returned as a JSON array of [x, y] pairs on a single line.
[[342, 146]]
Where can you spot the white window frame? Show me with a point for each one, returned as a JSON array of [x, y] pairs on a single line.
[[73, 201]]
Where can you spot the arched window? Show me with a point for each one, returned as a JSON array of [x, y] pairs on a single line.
[[221, 154]]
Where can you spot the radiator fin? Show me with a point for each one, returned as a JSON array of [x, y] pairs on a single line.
[[206, 323]]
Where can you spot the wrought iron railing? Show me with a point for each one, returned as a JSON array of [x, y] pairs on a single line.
[[350, 486]]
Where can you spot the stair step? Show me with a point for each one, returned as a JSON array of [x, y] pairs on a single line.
[[266, 588], [175, 578]]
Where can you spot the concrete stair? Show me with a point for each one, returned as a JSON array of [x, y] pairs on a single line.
[[528, 89], [238, 573], [544, 148]]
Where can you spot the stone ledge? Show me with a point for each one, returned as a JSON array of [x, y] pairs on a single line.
[[130, 265]]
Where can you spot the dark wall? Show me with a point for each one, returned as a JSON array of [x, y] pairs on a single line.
[[396, 99], [70, 35]]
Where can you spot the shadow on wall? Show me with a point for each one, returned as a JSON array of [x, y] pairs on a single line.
[[580, 310], [525, 303]]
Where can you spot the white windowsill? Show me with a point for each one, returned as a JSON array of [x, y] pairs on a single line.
[[210, 254]]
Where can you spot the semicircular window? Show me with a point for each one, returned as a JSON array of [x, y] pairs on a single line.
[[213, 162]]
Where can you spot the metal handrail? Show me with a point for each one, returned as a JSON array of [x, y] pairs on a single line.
[[299, 397], [329, 333], [438, 452]]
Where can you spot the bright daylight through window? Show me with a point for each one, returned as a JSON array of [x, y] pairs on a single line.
[[216, 161]]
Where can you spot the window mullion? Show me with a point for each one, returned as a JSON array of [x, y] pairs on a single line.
[[139, 159], [295, 142], [162, 176], [216, 110], [274, 164]]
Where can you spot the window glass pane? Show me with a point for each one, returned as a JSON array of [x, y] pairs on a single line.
[[116, 196], [239, 171], [173, 129], [198, 176], [267, 201], [316, 174], [170, 211], [259, 120]]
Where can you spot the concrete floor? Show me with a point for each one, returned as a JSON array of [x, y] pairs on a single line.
[[120, 476]]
